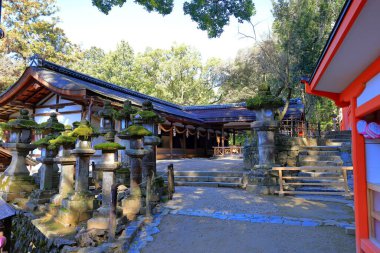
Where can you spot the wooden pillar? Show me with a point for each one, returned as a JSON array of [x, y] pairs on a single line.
[[171, 143], [222, 137], [233, 137], [184, 144], [360, 180]]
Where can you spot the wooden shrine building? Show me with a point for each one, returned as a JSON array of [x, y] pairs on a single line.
[[189, 131]]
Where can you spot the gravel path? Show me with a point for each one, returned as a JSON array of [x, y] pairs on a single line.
[[182, 234], [202, 164]]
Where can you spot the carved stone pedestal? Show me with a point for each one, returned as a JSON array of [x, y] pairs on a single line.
[[16, 181]]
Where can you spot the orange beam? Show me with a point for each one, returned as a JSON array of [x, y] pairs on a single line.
[[349, 19]]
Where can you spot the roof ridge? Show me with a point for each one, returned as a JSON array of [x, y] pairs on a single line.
[[37, 61]]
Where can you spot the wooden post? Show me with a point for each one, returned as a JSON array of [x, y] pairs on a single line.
[[171, 143], [171, 188], [184, 144], [319, 129], [148, 214], [112, 224], [344, 171], [281, 193], [222, 137], [233, 137]]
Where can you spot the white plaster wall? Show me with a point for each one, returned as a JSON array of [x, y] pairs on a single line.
[[371, 90]]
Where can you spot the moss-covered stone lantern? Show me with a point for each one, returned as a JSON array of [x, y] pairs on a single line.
[[65, 143], [124, 116], [16, 181], [79, 206], [107, 166], [264, 105], [49, 177], [106, 114], [135, 133]]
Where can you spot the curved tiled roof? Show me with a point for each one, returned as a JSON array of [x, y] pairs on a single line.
[[66, 79]]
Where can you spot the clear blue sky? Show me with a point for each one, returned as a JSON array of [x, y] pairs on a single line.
[[86, 25]]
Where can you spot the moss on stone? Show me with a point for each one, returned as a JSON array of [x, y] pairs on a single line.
[[54, 126], [123, 171], [45, 142], [108, 146], [264, 100], [107, 111], [150, 116], [83, 130], [22, 123], [136, 131], [126, 111], [63, 140]]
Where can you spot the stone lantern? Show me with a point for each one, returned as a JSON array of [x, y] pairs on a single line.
[[264, 105], [107, 123], [49, 176], [65, 143], [107, 167], [16, 180], [135, 133], [124, 116], [79, 206]]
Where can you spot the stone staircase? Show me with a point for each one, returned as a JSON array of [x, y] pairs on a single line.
[[337, 138], [327, 178], [231, 179]]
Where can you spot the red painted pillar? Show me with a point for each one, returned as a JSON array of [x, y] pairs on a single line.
[[360, 180]]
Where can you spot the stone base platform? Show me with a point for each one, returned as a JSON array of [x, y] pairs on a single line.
[[12, 187]]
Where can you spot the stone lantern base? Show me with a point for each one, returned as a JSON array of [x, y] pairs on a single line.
[[16, 186], [75, 209], [261, 181]]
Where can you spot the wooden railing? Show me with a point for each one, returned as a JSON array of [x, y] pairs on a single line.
[[299, 128], [231, 150], [297, 180]]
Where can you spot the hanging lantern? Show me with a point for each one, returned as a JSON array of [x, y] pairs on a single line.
[[159, 129], [174, 132], [197, 134], [187, 133]]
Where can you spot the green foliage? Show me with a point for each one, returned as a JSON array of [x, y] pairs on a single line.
[[136, 131], [176, 74], [150, 116], [211, 16], [108, 146], [31, 28]]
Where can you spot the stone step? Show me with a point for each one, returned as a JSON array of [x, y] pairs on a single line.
[[319, 174], [321, 163], [320, 189], [339, 139], [316, 180], [207, 184], [209, 173], [319, 152], [321, 148], [319, 158], [207, 179]]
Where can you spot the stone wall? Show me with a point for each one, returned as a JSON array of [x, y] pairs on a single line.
[[287, 150], [27, 238]]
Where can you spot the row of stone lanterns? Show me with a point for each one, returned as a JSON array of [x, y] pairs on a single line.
[[72, 200]]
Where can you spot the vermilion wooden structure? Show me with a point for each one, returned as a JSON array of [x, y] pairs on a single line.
[[348, 72]]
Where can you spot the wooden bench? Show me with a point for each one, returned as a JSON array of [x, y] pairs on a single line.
[[283, 180]]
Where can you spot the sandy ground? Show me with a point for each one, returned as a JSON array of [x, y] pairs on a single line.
[[202, 164], [182, 234], [240, 201]]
